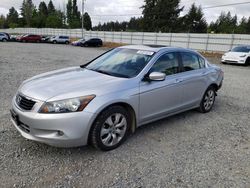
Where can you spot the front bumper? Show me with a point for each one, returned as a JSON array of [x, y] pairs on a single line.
[[233, 61], [59, 130]]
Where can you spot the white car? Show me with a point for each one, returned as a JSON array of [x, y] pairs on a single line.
[[60, 40], [238, 55]]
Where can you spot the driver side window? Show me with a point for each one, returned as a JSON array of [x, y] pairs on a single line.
[[167, 63]]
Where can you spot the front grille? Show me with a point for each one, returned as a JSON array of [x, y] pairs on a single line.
[[230, 61], [24, 103]]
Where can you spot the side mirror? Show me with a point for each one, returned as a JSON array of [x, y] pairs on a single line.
[[157, 76]]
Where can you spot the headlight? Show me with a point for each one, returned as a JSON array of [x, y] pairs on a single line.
[[67, 105], [243, 55]]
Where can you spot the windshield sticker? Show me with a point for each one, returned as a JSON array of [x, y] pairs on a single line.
[[145, 52]]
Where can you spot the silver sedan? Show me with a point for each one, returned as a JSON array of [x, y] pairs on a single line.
[[101, 102]]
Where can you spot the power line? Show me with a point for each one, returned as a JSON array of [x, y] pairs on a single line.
[[209, 7], [226, 5]]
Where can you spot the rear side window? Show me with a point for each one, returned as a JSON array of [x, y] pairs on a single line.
[[167, 63], [190, 61]]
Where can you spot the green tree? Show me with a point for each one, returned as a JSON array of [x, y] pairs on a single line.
[[27, 11], [43, 14], [54, 20], [3, 22], [225, 23], [69, 12], [51, 8], [87, 23], [12, 18], [242, 27], [195, 21], [161, 15], [73, 15]]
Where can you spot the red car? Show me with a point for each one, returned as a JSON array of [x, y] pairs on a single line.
[[30, 38]]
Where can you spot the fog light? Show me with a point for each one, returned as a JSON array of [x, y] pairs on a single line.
[[60, 133]]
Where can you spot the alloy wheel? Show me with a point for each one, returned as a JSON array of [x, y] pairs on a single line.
[[113, 129], [209, 99]]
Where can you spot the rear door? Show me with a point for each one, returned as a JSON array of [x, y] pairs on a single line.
[[192, 78]]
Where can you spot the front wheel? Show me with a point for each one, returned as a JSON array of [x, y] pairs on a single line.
[[208, 99], [4, 40], [110, 129]]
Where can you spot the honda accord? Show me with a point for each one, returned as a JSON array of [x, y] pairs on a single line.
[[101, 102]]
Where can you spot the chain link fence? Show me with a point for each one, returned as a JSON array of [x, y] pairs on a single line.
[[201, 42]]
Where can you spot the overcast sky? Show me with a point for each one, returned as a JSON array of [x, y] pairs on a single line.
[[104, 10]]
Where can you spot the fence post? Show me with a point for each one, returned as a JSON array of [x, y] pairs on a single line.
[[142, 37], [170, 40], [232, 41], [131, 38], [207, 42], [188, 43], [156, 38]]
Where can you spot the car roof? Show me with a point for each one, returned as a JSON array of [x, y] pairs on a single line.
[[156, 48], [242, 46]]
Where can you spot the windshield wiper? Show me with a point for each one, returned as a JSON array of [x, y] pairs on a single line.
[[109, 73], [103, 72]]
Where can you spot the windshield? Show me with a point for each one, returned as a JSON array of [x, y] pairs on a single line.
[[126, 63], [245, 49]]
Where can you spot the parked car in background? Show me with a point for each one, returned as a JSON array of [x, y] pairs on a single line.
[[93, 42], [103, 101], [60, 40], [45, 38], [4, 37], [78, 42], [6, 34], [238, 55], [30, 38]]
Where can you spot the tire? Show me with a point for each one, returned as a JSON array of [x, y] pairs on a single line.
[[54, 42], [110, 129], [208, 100], [4, 40], [38, 41], [67, 42], [247, 62]]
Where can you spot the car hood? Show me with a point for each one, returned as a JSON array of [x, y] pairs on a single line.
[[70, 83]]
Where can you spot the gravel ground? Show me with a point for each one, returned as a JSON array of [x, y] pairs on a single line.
[[187, 150]]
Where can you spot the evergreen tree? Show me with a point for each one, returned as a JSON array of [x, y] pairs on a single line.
[[43, 14], [12, 18], [87, 23], [51, 8], [69, 12], [3, 22], [27, 11], [195, 21], [161, 15], [225, 23]]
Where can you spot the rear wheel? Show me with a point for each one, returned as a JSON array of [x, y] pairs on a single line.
[[208, 99], [54, 42], [67, 42], [4, 40], [110, 129]]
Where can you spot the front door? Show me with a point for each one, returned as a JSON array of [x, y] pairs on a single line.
[[159, 98]]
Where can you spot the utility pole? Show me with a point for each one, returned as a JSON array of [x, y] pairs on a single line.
[[83, 1]]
